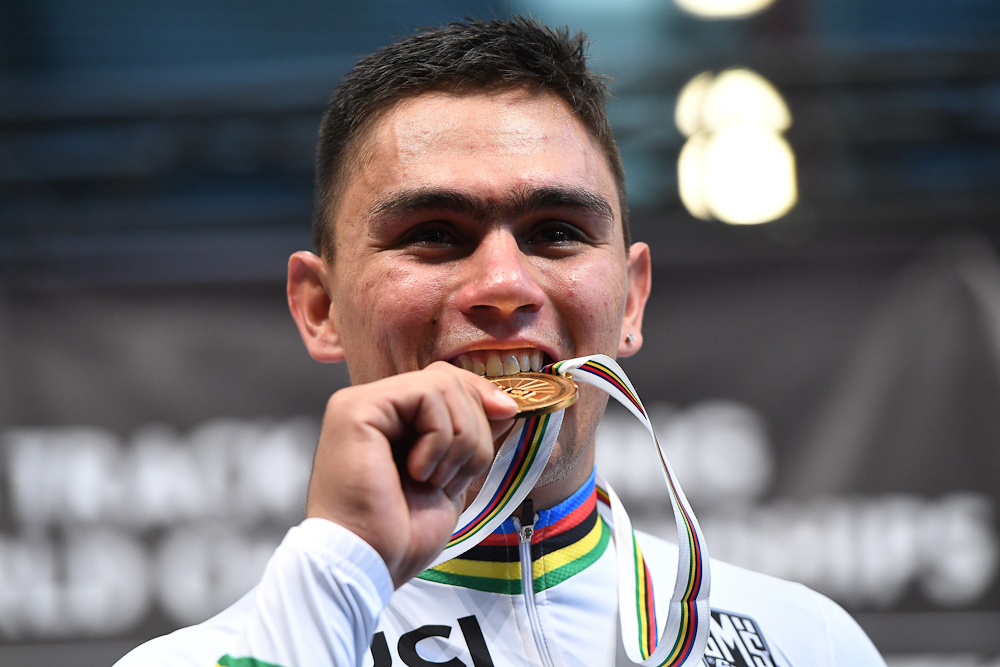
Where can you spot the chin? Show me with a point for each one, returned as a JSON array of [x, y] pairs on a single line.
[[564, 461]]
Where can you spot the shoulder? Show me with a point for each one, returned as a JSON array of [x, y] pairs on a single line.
[[199, 645], [803, 626]]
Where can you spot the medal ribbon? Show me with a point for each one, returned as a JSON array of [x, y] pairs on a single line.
[[517, 467]]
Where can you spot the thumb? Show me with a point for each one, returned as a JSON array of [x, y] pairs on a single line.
[[496, 403]]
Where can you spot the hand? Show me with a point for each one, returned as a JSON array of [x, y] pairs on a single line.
[[396, 456]]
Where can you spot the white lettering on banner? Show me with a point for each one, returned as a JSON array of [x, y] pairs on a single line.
[[62, 474], [95, 584], [89, 557], [244, 471], [861, 551], [201, 571], [100, 582], [866, 551], [719, 449]]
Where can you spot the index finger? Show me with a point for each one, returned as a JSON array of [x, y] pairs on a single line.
[[496, 403]]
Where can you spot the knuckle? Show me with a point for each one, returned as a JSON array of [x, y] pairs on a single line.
[[337, 400], [461, 426], [482, 456], [346, 401], [456, 384], [468, 449], [440, 366], [440, 370]]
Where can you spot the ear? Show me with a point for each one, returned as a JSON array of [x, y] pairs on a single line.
[[309, 299], [640, 278]]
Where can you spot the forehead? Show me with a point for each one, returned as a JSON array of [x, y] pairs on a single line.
[[485, 144]]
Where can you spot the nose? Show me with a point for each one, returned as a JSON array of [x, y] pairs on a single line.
[[499, 281]]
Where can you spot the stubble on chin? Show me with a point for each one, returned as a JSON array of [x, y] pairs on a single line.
[[565, 459]]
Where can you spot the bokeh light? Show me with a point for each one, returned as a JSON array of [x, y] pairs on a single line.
[[723, 9], [749, 175], [691, 176], [735, 167], [740, 96]]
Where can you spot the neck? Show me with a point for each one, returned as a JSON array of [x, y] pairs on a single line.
[[554, 488]]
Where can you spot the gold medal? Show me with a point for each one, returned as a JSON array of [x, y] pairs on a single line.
[[538, 393]]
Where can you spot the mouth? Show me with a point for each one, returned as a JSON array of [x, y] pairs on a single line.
[[497, 363]]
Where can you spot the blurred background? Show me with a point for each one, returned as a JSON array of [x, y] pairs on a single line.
[[818, 181]]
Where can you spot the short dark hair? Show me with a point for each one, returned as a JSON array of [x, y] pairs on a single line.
[[473, 55]]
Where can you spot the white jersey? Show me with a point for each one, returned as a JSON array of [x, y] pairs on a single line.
[[326, 599]]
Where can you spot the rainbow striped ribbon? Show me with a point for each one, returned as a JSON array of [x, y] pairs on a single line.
[[518, 465], [685, 635]]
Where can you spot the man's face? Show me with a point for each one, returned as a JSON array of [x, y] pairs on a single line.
[[477, 226]]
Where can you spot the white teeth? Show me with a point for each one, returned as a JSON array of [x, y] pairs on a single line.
[[501, 364], [493, 366], [510, 365]]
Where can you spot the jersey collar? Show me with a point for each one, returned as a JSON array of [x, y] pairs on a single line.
[[567, 539]]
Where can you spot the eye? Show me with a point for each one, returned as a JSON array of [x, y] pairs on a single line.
[[556, 233], [432, 235]]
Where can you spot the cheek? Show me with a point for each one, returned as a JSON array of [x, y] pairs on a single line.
[[593, 300], [398, 299]]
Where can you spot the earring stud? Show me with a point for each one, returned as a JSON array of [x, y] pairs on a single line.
[[630, 338]]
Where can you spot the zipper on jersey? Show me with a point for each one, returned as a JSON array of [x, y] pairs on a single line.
[[525, 529]]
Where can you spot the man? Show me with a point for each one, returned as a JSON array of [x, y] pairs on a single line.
[[471, 220]]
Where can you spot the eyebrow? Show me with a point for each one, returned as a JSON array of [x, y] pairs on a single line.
[[514, 204]]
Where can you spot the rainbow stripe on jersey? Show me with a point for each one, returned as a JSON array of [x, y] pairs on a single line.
[[567, 539]]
